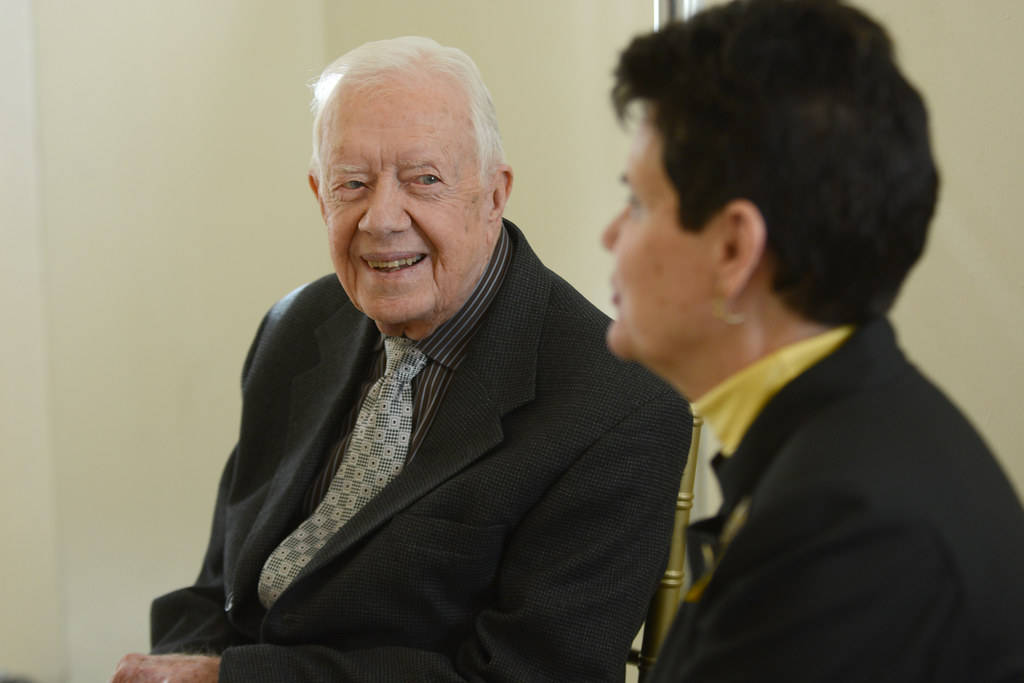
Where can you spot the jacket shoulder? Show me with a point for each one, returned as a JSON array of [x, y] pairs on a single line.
[[575, 341], [288, 330], [309, 303]]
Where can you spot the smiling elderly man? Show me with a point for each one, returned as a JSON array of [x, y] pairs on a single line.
[[441, 474]]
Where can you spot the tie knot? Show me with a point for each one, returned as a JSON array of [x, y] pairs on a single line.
[[403, 358]]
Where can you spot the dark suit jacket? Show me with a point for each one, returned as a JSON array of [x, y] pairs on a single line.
[[520, 544], [882, 541]]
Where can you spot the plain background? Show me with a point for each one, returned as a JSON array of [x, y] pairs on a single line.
[[154, 203]]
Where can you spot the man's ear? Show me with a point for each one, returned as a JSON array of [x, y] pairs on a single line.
[[314, 184], [742, 238], [500, 189]]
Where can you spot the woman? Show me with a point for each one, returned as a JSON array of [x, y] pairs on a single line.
[[782, 184]]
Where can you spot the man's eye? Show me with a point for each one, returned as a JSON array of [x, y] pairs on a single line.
[[352, 185], [428, 179]]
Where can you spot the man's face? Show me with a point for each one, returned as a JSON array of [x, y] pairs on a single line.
[[663, 282], [410, 224]]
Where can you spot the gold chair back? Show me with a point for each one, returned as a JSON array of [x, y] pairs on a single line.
[[669, 593]]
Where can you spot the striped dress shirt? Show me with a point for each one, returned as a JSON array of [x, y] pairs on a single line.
[[445, 348]]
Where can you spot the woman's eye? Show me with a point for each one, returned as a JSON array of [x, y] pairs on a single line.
[[428, 179]]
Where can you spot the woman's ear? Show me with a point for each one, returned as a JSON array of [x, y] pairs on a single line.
[[741, 240]]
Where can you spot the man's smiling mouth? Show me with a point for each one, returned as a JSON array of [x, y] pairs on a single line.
[[397, 264]]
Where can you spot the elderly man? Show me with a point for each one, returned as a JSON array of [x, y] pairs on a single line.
[[782, 185], [441, 475]]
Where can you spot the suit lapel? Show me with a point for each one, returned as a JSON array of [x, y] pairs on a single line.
[[319, 396], [869, 357], [497, 375], [453, 442]]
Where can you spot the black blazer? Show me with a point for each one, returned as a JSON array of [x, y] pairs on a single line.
[[520, 544], [882, 542]]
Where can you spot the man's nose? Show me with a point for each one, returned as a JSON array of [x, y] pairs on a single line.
[[386, 210]]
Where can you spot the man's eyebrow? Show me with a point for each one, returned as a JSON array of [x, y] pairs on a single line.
[[402, 165], [414, 164], [348, 168]]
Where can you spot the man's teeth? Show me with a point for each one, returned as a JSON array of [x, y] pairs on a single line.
[[393, 265]]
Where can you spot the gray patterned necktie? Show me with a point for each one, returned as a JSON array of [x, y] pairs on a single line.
[[375, 454]]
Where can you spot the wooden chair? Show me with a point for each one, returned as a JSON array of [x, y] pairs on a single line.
[[669, 593]]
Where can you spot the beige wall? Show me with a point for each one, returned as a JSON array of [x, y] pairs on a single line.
[[154, 204], [30, 590], [962, 313], [173, 143]]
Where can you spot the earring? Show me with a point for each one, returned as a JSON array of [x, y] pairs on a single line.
[[722, 313]]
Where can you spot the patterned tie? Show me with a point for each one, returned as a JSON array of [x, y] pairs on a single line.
[[375, 454]]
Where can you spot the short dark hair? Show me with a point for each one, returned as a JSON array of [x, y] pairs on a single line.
[[799, 107]]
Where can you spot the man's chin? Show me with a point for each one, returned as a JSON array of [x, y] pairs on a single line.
[[409, 326]]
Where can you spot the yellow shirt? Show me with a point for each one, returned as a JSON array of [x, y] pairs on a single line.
[[731, 406]]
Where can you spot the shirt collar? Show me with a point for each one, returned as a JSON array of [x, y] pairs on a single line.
[[447, 344], [731, 406]]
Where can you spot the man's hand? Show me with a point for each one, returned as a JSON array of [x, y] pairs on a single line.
[[137, 668]]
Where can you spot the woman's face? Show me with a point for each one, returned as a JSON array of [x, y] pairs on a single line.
[[663, 281]]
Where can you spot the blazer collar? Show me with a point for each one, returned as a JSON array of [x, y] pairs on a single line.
[[869, 357]]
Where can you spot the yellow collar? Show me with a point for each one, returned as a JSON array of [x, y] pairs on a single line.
[[731, 406]]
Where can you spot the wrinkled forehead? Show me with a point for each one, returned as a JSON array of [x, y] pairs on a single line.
[[407, 103]]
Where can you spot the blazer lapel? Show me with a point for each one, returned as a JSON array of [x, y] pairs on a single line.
[[318, 398], [453, 442], [497, 375], [870, 356]]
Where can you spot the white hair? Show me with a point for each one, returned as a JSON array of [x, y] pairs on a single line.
[[380, 59]]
